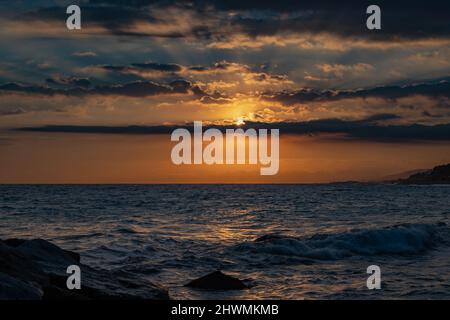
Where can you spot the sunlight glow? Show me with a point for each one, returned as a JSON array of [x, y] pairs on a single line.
[[240, 121]]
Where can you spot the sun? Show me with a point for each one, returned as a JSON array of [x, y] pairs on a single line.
[[240, 121]]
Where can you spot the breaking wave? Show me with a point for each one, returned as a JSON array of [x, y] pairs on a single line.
[[404, 239]]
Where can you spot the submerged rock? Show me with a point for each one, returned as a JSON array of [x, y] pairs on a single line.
[[217, 281], [36, 269], [269, 237]]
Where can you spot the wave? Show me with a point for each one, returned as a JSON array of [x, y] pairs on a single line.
[[79, 236], [128, 230], [403, 239]]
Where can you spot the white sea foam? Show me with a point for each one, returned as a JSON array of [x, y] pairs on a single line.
[[396, 240]]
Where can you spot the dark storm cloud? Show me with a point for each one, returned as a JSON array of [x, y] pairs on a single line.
[[118, 19], [137, 68], [409, 19], [185, 86], [400, 19], [11, 111], [427, 114], [6, 110], [101, 129], [83, 83], [30, 89], [71, 81], [169, 67], [436, 90], [173, 68], [111, 17], [261, 77], [366, 129], [406, 19], [132, 89], [114, 68]]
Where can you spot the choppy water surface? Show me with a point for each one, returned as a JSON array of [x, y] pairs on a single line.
[[287, 241]]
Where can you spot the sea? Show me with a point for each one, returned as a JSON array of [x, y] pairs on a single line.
[[283, 241]]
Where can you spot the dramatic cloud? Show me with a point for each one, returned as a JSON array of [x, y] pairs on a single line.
[[152, 68], [132, 89], [155, 62], [70, 81], [340, 70], [84, 54], [221, 75], [218, 22], [11, 111], [441, 89], [145, 69], [365, 129]]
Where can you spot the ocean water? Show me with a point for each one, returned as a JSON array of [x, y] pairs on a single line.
[[285, 241]]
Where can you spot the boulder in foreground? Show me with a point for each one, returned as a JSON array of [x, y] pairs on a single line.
[[36, 270]]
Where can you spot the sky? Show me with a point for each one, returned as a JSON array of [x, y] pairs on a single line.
[[97, 105]]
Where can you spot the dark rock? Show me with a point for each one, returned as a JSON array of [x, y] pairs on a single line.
[[19, 266], [58, 293], [16, 289], [39, 242], [49, 256], [217, 281], [36, 269], [13, 242]]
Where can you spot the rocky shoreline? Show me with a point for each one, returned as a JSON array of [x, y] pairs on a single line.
[[36, 270], [437, 175]]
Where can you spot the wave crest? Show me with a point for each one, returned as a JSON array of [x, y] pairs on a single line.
[[395, 240]]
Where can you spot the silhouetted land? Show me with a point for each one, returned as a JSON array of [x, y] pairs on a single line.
[[437, 175]]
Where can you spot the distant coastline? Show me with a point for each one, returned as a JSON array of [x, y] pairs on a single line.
[[437, 175]]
